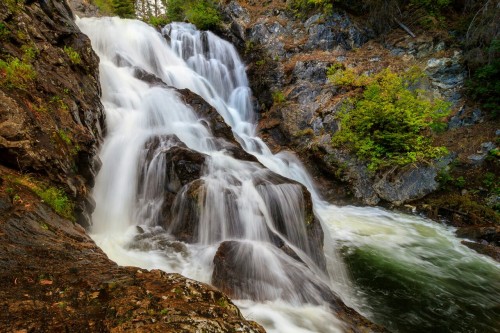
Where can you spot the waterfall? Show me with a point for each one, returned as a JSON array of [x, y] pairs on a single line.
[[147, 216]]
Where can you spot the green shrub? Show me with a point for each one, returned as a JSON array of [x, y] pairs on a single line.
[[158, 21], [15, 73], [124, 8], [390, 123], [300, 7], [57, 199], [202, 13]]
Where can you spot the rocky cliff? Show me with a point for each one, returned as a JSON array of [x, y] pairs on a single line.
[[51, 123], [289, 54]]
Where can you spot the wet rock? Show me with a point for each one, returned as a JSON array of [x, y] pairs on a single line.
[[491, 234], [44, 264], [214, 121], [238, 273], [482, 153], [185, 212], [486, 249]]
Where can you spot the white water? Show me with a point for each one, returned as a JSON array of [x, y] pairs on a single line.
[[233, 207]]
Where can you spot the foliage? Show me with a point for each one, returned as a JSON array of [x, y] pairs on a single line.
[[278, 97], [299, 7], [15, 73], [124, 8], [484, 85], [202, 13], [4, 31], [73, 55], [105, 6], [390, 123], [158, 21], [55, 197]]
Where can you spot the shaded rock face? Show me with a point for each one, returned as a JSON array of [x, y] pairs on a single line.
[[409, 183], [235, 275], [56, 279], [51, 123]]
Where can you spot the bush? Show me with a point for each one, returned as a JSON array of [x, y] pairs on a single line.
[[124, 8], [203, 13], [300, 7], [390, 123]]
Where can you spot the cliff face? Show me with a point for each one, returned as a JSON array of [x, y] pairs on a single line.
[[51, 115], [51, 122], [288, 55]]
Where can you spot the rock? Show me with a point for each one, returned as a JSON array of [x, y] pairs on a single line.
[[43, 263], [465, 118], [482, 153], [491, 234], [447, 76], [238, 273], [488, 250], [180, 166], [406, 184], [326, 33], [52, 126], [216, 124], [312, 71]]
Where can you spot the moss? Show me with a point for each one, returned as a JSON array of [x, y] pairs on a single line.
[[73, 55], [54, 197], [278, 97]]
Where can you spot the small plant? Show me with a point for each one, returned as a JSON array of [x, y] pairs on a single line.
[[202, 13], [65, 137], [73, 55], [15, 73], [278, 97], [29, 53], [4, 31], [158, 21], [460, 182]]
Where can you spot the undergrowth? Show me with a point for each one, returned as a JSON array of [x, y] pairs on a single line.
[[389, 122]]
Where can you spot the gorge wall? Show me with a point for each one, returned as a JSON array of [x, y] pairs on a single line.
[[51, 124]]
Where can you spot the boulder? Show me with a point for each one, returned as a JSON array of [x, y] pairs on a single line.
[[247, 270], [401, 185]]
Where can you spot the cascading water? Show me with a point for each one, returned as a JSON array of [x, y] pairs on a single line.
[[239, 202]]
